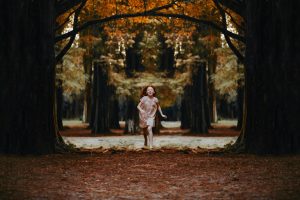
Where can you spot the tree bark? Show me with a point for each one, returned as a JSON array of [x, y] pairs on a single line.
[[195, 111], [212, 63], [113, 109], [59, 104], [94, 96], [27, 77], [200, 114], [87, 93], [240, 106], [131, 117], [272, 78], [186, 109], [101, 120], [167, 61]]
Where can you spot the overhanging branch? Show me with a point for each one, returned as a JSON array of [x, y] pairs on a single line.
[[228, 40], [64, 5], [237, 6], [151, 13], [72, 38], [111, 18]]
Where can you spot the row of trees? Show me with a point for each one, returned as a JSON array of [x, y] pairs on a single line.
[[28, 122]]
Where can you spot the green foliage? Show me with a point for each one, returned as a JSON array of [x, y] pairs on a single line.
[[228, 74], [71, 73], [150, 49]]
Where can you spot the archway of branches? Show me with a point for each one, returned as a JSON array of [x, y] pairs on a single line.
[[178, 57]]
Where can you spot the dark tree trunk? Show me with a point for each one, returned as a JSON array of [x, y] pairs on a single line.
[[200, 112], [59, 104], [168, 61], [272, 78], [240, 105], [131, 61], [86, 118], [186, 109], [131, 117], [212, 92], [195, 111], [113, 109], [94, 96], [133, 58], [101, 120], [27, 77]]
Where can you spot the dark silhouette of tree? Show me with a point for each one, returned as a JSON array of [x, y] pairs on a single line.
[[27, 77], [195, 110], [272, 78]]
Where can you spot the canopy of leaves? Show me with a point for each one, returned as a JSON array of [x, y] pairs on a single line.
[[191, 43]]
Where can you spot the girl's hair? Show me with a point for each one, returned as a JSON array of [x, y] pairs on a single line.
[[144, 91]]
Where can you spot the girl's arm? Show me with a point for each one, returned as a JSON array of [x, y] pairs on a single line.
[[159, 109], [139, 107]]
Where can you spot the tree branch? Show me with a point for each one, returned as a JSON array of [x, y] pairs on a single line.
[[72, 38], [113, 17], [66, 21], [201, 21], [228, 40], [237, 6], [151, 12], [64, 5], [234, 21]]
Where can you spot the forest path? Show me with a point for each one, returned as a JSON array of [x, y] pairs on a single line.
[[136, 142], [171, 136]]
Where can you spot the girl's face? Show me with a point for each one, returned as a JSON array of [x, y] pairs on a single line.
[[150, 91]]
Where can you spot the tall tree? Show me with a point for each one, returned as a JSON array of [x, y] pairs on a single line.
[[195, 110], [101, 89], [27, 77], [272, 78]]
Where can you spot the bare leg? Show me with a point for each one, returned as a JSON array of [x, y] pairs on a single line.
[[150, 136], [145, 137]]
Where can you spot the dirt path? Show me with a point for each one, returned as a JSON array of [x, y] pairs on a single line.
[[75, 128], [150, 175], [137, 142]]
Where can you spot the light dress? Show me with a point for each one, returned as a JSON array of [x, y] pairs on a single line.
[[149, 105]]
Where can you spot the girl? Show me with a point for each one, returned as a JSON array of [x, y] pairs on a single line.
[[148, 106]]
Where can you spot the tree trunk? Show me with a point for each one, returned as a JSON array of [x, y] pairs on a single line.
[[272, 78], [186, 108], [59, 104], [131, 61], [101, 120], [212, 92], [169, 62], [131, 117], [113, 109], [199, 101], [240, 105], [194, 109], [87, 93], [94, 96], [27, 77]]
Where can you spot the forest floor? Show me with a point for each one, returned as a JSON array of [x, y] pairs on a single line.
[[162, 173], [149, 175]]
